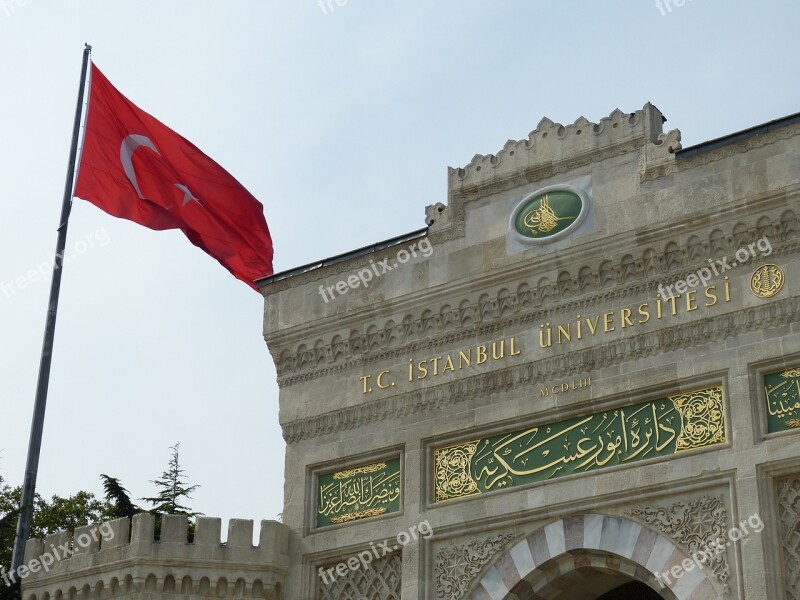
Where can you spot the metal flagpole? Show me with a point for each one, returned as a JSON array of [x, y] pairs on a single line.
[[37, 425]]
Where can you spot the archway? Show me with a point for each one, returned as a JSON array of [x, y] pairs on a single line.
[[593, 557]]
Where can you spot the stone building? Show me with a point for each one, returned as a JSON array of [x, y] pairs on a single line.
[[516, 402]]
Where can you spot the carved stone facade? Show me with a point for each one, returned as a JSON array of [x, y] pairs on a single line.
[[381, 580], [549, 401], [789, 519], [694, 525], [458, 565]]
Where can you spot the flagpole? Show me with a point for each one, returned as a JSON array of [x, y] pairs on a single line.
[[37, 424]]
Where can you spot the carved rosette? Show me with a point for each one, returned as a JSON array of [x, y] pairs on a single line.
[[789, 517], [702, 418], [457, 566], [694, 525], [452, 471]]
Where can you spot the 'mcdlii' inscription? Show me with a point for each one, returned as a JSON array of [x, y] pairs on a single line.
[[640, 431]]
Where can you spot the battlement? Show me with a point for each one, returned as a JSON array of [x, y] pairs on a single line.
[[122, 559], [554, 148]]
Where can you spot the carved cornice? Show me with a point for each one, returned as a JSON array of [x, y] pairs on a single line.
[[484, 313], [553, 147], [683, 336]]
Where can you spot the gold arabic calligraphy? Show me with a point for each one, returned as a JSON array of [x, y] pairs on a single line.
[[577, 445], [358, 493], [783, 399], [544, 218]]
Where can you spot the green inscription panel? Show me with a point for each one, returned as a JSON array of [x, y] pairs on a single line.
[[548, 214], [783, 399], [640, 431], [359, 493]]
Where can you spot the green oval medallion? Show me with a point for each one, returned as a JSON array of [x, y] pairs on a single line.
[[548, 214]]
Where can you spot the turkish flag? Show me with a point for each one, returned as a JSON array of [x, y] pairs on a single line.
[[136, 168]]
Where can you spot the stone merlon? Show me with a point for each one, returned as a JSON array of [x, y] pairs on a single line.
[[123, 559]]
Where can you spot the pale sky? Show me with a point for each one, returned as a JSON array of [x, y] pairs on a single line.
[[342, 123]]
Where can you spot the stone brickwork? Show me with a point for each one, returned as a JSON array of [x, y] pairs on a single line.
[[125, 561], [494, 350]]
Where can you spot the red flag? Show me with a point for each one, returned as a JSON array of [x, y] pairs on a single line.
[[136, 168]]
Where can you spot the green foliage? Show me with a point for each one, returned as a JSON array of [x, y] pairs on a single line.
[[118, 499], [172, 488]]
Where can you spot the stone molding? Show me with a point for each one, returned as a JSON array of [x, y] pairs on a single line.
[[544, 563], [506, 307], [552, 144], [207, 568], [655, 169], [693, 525], [457, 565], [686, 335]]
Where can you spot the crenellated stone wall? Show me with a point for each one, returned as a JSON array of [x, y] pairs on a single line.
[[120, 559]]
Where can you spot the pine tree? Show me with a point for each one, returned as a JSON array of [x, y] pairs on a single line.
[[172, 488], [118, 499]]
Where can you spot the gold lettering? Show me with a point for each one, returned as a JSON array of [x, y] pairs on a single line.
[[727, 289], [545, 392], [435, 360], [691, 300], [365, 380], [626, 317], [592, 326], [423, 369], [380, 376], [564, 387], [549, 336], [658, 305], [586, 382], [448, 365], [607, 321], [555, 389], [518, 352], [673, 300], [567, 333], [579, 327], [502, 350], [644, 312], [466, 358], [481, 356], [711, 295], [411, 369]]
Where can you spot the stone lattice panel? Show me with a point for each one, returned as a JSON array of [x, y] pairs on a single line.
[[789, 515], [380, 581]]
